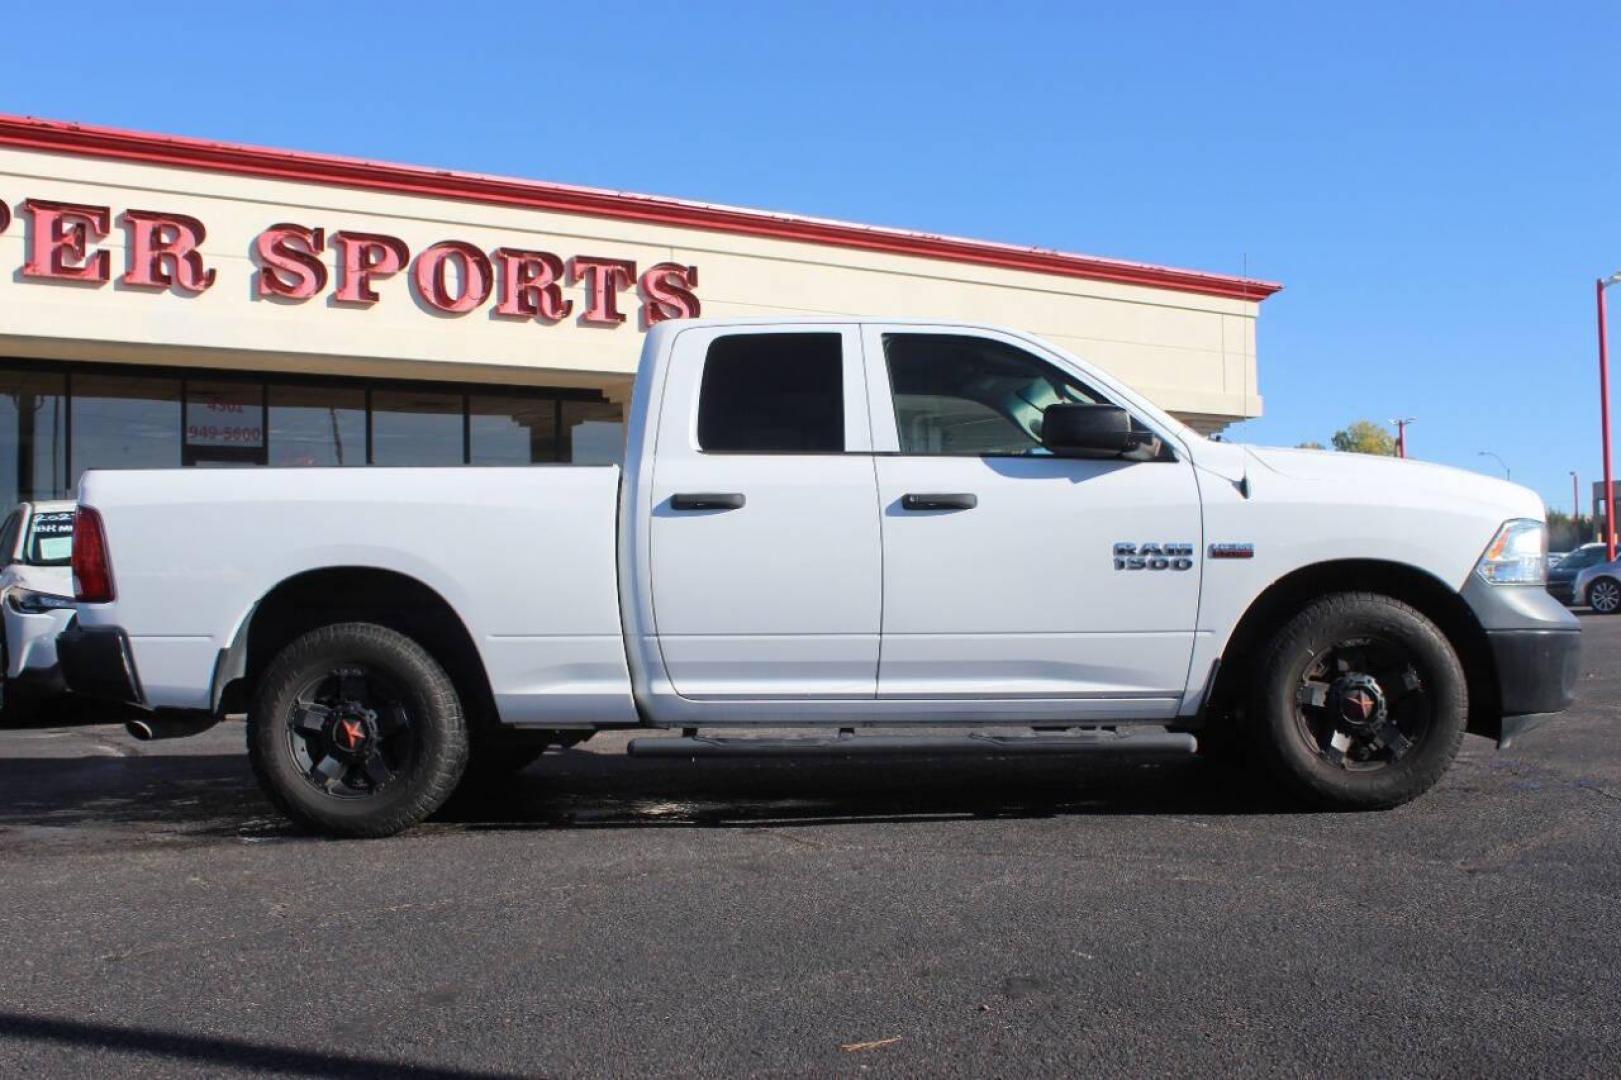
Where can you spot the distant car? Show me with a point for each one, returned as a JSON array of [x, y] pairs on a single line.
[[1562, 572], [36, 598], [1599, 587]]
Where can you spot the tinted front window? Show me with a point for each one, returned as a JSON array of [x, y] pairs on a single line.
[[957, 395], [773, 393], [50, 539]]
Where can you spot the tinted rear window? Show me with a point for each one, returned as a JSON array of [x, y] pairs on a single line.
[[50, 539], [773, 394]]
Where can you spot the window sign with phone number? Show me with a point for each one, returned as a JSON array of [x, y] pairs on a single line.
[[222, 423]]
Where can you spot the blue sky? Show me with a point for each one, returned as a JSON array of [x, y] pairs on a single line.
[[1437, 185]]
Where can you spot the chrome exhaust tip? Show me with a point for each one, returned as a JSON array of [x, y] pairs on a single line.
[[150, 728]]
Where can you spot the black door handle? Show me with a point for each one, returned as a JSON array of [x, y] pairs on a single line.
[[711, 500], [949, 501]]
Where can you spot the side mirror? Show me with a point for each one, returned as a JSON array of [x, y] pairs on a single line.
[[1090, 429]]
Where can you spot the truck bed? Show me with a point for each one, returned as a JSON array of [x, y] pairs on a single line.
[[525, 556]]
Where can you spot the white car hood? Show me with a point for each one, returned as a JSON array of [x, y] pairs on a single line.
[[1446, 485]]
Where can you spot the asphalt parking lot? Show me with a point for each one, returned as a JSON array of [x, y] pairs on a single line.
[[610, 916]]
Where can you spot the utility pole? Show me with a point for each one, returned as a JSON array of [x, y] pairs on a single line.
[[1575, 496], [1401, 434], [1604, 415]]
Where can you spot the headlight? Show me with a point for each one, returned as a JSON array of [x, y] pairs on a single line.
[[37, 603], [1517, 555]]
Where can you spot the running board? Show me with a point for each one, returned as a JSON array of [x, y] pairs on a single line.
[[1150, 743]]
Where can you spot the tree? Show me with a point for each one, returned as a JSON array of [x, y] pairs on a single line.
[[1566, 533], [1365, 437], [1311, 444]]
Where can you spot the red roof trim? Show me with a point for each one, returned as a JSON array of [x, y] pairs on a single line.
[[179, 152]]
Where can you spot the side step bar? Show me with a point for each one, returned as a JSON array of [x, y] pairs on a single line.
[[1150, 743]]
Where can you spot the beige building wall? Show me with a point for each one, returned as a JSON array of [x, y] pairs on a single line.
[[1192, 353]]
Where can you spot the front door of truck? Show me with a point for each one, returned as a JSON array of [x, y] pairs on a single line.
[[1009, 572], [765, 554]]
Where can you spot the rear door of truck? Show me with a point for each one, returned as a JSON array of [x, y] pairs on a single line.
[[765, 552]]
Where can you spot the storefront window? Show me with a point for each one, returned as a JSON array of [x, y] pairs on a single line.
[[510, 430], [593, 433], [317, 425], [416, 427], [225, 423], [32, 453], [124, 422], [169, 419]]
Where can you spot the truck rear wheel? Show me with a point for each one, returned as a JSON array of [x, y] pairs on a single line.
[[356, 730], [1359, 703]]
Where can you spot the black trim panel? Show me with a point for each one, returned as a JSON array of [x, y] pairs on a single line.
[[96, 662], [1536, 670]]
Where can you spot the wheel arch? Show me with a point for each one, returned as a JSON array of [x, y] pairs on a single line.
[[1438, 601], [314, 598]]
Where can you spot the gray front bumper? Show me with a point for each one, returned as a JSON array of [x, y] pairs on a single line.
[[1536, 669], [1536, 649]]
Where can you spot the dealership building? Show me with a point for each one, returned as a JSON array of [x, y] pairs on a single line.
[[172, 302]]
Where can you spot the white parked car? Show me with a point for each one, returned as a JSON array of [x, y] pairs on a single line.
[[36, 598], [840, 523]]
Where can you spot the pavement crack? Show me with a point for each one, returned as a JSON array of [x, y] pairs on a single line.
[[1526, 770], [802, 841], [1588, 785]]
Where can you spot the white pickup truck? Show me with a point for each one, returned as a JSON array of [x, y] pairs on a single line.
[[845, 524]]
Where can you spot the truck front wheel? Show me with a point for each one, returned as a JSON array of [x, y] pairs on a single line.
[[1359, 703], [355, 730]]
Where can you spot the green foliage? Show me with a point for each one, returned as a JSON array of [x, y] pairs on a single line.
[[1310, 444], [1365, 437], [1566, 533]]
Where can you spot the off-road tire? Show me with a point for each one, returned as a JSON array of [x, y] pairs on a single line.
[[1270, 725], [435, 710]]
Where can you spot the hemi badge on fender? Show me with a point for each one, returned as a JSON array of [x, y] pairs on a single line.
[[1232, 551]]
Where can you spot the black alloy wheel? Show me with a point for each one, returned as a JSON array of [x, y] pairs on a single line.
[[351, 732], [1361, 704]]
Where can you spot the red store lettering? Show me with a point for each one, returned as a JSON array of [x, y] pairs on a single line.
[[163, 252]]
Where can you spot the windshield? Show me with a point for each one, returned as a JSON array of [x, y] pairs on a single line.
[[1581, 557], [50, 539]]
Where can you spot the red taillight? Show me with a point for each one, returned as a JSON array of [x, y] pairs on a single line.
[[92, 566]]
